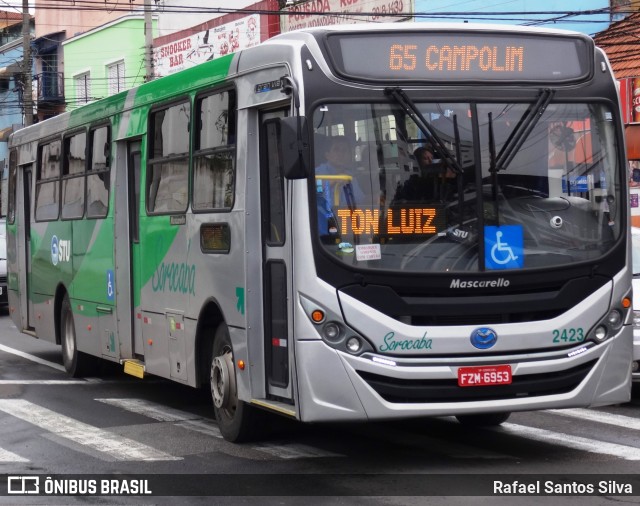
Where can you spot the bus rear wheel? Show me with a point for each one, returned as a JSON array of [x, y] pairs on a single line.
[[76, 363], [483, 419], [237, 420]]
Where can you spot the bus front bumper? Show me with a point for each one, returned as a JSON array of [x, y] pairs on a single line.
[[335, 386]]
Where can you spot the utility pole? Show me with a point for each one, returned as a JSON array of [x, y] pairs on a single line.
[[148, 42], [27, 92]]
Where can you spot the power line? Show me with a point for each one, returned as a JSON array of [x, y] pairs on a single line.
[[556, 16], [97, 5], [12, 6]]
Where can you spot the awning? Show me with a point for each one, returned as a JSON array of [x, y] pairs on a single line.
[[10, 70], [5, 133], [49, 42], [632, 136]]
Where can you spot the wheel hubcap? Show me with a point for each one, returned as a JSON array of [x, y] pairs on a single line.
[[223, 382]]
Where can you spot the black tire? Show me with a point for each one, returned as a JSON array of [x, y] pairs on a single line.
[[484, 419], [237, 420], [76, 363]]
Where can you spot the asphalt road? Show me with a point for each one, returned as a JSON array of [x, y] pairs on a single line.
[[115, 425]]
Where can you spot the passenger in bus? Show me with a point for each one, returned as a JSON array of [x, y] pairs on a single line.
[[327, 223], [339, 161], [339, 190], [433, 182], [424, 155]]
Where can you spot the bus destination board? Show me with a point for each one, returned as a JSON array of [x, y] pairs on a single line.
[[451, 57]]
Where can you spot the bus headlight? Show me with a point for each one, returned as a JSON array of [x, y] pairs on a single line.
[[333, 330], [600, 333], [354, 345], [636, 319], [614, 319]]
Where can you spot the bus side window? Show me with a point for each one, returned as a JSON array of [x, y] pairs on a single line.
[[168, 174], [273, 185], [214, 152], [98, 172], [11, 209], [47, 205], [73, 170]]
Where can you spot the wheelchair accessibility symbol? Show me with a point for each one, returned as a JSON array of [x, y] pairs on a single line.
[[503, 247], [110, 285]]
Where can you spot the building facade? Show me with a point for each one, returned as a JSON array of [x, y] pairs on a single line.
[[87, 53], [187, 32], [104, 61], [57, 21], [12, 87], [620, 42]]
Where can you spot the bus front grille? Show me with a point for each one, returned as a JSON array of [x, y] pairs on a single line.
[[424, 391]]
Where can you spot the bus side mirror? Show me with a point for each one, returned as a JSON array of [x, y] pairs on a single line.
[[294, 142]]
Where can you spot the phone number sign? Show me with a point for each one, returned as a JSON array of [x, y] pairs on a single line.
[[315, 13]]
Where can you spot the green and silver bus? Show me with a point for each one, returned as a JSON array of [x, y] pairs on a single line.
[[262, 225]]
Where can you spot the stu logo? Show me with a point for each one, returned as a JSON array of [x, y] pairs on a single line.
[[60, 250]]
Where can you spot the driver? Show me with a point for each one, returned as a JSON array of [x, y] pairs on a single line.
[[340, 162]]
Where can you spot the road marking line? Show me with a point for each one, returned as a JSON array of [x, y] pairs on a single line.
[[44, 382], [598, 416], [206, 426], [161, 413], [7, 456], [117, 447], [294, 451], [33, 358], [151, 409], [574, 442]]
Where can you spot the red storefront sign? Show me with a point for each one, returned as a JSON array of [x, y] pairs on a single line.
[[634, 95]]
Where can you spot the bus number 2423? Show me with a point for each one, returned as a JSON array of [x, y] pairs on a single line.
[[570, 335]]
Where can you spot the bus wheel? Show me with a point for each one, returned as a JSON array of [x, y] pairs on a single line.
[[484, 419], [236, 419], [76, 363]]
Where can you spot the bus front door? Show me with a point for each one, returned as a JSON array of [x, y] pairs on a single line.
[[126, 225], [27, 174], [275, 208]]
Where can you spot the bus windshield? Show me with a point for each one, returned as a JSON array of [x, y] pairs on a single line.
[[466, 187]]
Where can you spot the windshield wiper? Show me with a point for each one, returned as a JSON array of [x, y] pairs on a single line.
[[459, 178], [514, 142], [525, 126], [414, 113], [450, 161], [493, 170]]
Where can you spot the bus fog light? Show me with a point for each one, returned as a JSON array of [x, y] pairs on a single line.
[[600, 333], [331, 331], [614, 319], [354, 344]]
